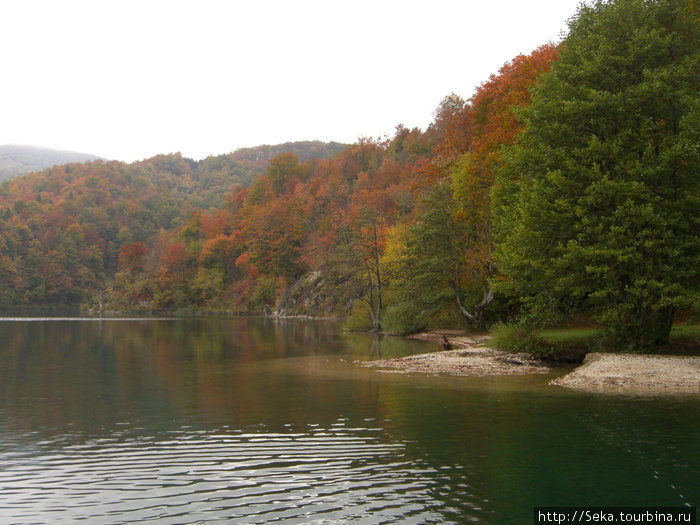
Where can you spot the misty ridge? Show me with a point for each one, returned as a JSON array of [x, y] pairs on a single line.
[[18, 160]]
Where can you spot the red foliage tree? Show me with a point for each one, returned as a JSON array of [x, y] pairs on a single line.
[[132, 256]]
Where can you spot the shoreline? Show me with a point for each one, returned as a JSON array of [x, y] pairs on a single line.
[[468, 355], [635, 373]]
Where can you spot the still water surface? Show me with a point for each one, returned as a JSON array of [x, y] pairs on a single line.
[[254, 421]]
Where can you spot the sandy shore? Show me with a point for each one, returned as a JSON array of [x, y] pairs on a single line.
[[466, 358], [635, 373], [469, 356]]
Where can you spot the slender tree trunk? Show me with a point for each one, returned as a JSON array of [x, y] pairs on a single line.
[[379, 277], [375, 309]]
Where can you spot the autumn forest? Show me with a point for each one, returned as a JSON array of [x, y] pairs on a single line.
[[567, 184]]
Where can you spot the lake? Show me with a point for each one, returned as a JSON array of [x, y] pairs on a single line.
[[258, 421]]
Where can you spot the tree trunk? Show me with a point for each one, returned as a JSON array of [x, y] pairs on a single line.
[[377, 272], [643, 330], [477, 318], [374, 283], [374, 309]]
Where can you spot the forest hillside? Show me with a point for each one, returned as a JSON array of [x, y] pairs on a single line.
[[565, 186], [62, 230]]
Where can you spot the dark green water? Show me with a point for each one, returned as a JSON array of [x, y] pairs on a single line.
[[253, 421]]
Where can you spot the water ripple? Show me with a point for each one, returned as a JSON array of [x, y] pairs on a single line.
[[325, 475]]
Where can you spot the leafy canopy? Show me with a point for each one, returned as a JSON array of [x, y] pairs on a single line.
[[598, 206]]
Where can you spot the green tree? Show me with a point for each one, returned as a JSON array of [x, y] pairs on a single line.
[[598, 208], [436, 273]]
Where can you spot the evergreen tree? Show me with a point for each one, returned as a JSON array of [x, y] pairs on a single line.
[[598, 208]]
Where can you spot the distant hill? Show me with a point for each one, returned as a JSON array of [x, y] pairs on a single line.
[[18, 160], [217, 175], [304, 150], [244, 164]]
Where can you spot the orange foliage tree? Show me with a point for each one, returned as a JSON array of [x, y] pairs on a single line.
[[493, 124]]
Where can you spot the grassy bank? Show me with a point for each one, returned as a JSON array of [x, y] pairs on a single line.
[[572, 344]]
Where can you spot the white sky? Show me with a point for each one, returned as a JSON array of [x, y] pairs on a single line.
[[128, 79]]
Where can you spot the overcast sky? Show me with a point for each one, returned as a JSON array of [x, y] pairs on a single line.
[[127, 79]]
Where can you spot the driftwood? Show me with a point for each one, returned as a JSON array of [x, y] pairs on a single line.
[[445, 343]]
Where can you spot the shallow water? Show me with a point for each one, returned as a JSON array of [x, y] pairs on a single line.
[[255, 421]]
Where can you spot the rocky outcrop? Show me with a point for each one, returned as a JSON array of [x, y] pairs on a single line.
[[313, 295]]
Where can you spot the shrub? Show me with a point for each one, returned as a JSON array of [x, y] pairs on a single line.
[[514, 338], [359, 318], [404, 318]]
